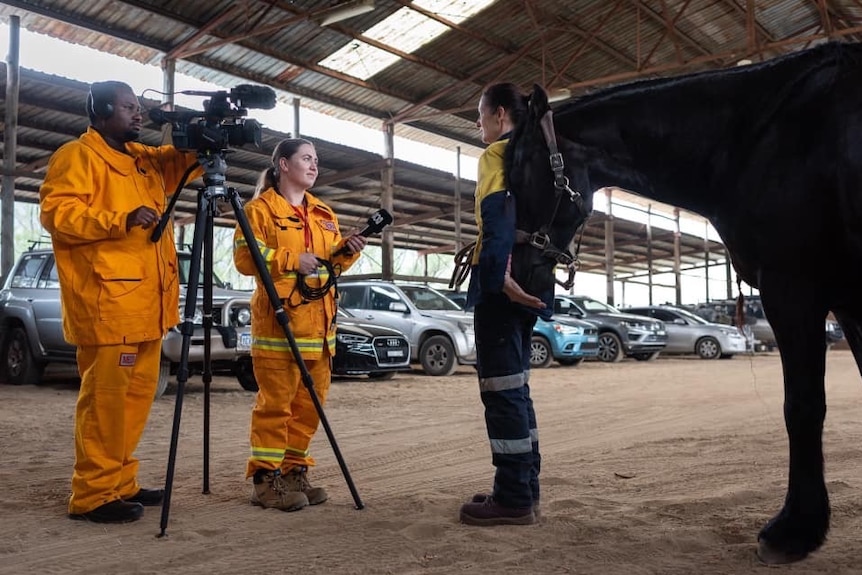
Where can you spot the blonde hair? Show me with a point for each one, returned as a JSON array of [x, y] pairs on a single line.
[[284, 149]]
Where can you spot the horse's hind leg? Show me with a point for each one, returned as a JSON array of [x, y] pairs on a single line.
[[801, 525]]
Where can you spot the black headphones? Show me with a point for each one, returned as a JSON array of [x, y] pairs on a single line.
[[100, 99]]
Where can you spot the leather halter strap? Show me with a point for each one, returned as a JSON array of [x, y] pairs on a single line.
[[561, 184]]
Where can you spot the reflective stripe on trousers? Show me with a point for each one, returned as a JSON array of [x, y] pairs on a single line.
[[503, 333]]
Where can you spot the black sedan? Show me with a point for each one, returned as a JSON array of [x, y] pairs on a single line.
[[360, 349], [368, 349]]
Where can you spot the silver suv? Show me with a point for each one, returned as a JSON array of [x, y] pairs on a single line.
[[440, 333], [31, 328]]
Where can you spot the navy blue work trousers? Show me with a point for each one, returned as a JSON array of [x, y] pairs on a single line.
[[503, 332]]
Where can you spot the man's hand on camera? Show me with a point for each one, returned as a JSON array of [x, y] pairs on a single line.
[[143, 216]]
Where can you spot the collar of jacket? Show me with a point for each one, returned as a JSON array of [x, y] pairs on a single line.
[[123, 163], [278, 204], [504, 136]]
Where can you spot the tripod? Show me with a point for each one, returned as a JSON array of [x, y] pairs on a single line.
[[214, 177]]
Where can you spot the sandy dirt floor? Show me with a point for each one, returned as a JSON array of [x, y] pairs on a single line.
[[666, 467]]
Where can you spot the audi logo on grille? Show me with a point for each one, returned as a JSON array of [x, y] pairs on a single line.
[[392, 342]]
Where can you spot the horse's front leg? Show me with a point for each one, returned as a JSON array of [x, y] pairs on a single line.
[[801, 525]]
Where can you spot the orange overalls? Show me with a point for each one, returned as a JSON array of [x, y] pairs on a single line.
[[284, 418], [119, 293]]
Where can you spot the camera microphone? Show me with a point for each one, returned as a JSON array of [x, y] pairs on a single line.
[[251, 96], [378, 220]]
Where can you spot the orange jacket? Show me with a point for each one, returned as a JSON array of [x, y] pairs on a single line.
[[115, 286], [281, 238]]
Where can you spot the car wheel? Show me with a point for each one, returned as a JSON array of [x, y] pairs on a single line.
[[610, 347], [437, 356], [381, 375], [571, 361], [540, 352], [164, 376], [18, 364], [648, 356], [708, 348], [244, 371]]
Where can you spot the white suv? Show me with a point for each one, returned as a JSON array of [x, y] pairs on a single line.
[[440, 333]]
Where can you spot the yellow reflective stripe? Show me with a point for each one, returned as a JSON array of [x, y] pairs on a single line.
[[312, 344], [296, 452], [267, 253], [272, 454]]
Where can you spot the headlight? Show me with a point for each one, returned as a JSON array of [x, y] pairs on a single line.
[[633, 325], [351, 339], [725, 331], [242, 317], [568, 329]]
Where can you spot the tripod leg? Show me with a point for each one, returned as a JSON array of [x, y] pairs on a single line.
[[208, 327], [283, 320], [187, 331]]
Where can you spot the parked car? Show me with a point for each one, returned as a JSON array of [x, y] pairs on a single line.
[[31, 328], [440, 333], [620, 334], [361, 349], [459, 297], [689, 333], [834, 332], [724, 312], [565, 339]]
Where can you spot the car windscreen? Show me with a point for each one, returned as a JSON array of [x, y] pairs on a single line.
[[594, 306], [690, 316], [426, 299]]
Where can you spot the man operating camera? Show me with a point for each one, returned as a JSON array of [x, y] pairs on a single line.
[[119, 291]]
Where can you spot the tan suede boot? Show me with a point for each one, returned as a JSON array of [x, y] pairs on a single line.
[[270, 491], [296, 479]]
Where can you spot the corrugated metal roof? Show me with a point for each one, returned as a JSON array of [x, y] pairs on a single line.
[[431, 96]]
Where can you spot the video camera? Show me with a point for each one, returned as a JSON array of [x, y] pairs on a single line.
[[222, 123]]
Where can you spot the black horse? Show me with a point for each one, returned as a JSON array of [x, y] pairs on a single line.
[[771, 154]]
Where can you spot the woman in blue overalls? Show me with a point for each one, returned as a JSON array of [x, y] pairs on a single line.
[[504, 317]]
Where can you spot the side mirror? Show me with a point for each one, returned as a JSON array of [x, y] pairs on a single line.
[[399, 306], [680, 321]]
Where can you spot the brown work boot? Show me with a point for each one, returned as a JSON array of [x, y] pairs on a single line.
[[269, 491], [490, 512], [537, 511], [296, 479]]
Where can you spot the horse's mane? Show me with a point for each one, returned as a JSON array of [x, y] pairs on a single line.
[[830, 52]]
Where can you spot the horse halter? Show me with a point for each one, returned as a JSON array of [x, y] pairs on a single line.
[[561, 185], [561, 181]]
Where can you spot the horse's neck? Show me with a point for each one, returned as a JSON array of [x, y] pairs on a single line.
[[649, 149], [684, 143]]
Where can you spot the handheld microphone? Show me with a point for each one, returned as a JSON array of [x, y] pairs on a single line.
[[375, 224]]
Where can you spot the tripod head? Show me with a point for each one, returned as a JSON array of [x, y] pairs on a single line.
[[215, 167]]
